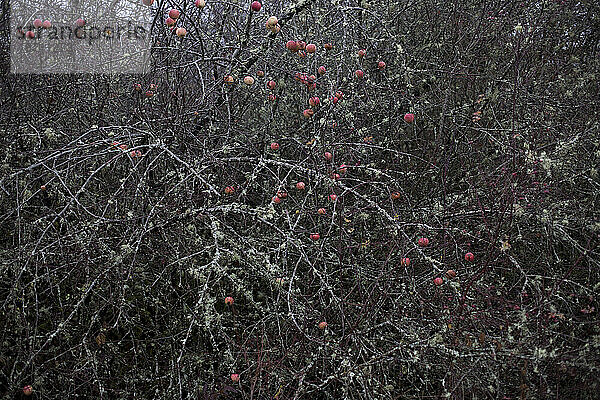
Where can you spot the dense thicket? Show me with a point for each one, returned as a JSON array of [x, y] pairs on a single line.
[[114, 265]]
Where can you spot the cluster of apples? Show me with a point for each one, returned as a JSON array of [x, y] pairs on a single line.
[[249, 81], [300, 186], [271, 85], [361, 54], [124, 147], [38, 23], [171, 20], [121, 146], [281, 195], [450, 274], [309, 80], [311, 83], [314, 236], [174, 15], [300, 47], [337, 97], [149, 93]]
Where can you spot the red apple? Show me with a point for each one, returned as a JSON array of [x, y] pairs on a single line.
[[271, 85], [381, 65], [174, 13], [311, 48], [321, 211], [248, 80], [170, 21], [46, 24], [315, 236], [274, 146], [281, 194], [256, 6], [308, 113], [27, 390], [300, 185], [229, 190], [328, 155], [37, 23], [236, 377], [229, 300], [333, 197], [276, 200], [405, 262], [322, 70], [181, 32], [291, 45], [314, 101], [260, 73], [200, 4], [328, 46], [409, 118], [438, 281], [30, 35], [362, 52], [272, 97], [395, 195], [147, 2], [423, 242], [451, 273], [80, 22], [322, 325], [359, 73], [469, 256]]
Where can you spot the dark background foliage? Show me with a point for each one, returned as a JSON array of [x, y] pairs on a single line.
[[114, 269]]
